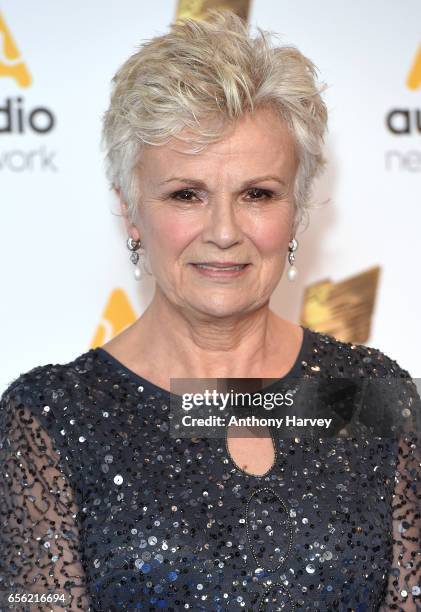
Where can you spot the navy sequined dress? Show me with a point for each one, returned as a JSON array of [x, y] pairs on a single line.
[[99, 502]]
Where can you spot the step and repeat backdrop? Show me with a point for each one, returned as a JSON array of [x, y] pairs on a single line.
[[67, 281]]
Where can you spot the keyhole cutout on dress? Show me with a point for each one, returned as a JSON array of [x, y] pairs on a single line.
[[251, 449]]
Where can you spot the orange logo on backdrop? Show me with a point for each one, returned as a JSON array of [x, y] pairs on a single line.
[[118, 314], [197, 9], [343, 309], [11, 64], [414, 77]]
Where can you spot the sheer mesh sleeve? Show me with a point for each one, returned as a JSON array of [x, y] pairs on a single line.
[[39, 537], [403, 587]]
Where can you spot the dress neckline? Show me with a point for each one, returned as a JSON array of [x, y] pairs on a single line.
[[147, 384]]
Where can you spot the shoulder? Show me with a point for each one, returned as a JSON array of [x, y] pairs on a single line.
[[348, 358], [388, 388], [50, 392], [42, 415], [47, 382]]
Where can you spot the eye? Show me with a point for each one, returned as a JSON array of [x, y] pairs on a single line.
[[176, 194], [185, 195], [266, 193]]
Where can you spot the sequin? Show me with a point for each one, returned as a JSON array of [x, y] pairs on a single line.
[[98, 500]]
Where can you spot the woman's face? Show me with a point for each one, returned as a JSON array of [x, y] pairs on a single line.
[[230, 203]]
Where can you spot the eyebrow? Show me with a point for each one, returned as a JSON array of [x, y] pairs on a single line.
[[201, 184]]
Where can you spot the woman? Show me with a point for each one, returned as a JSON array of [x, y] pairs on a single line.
[[100, 503]]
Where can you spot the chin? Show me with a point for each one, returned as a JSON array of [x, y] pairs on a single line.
[[220, 310]]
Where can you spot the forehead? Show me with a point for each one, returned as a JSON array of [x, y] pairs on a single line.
[[260, 142]]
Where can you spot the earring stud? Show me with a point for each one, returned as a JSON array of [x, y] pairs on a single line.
[[133, 246]]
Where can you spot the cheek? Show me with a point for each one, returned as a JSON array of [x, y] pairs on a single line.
[[170, 235], [272, 238]]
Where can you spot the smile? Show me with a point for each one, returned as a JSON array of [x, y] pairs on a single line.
[[212, 267], [221, 271]]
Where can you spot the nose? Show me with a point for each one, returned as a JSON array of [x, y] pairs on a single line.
[[222, 226]]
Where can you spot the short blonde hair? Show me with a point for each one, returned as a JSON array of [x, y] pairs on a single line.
[[203, 75]]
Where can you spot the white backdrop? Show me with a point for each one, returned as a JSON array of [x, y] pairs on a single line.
[[63, 250]]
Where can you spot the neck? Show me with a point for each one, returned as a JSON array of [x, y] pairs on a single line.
[[181, 341]]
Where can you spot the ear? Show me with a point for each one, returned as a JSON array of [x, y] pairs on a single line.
[[130, 227]]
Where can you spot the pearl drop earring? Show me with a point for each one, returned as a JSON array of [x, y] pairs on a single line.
[[292, 270], [133, 246]]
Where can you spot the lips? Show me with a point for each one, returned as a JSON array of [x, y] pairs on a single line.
[[221, 271], [221, 266]]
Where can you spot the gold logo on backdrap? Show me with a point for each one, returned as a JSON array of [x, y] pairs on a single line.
[[118, 314], [11, 64], [344, 309], [196, 9], [414, 77]]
